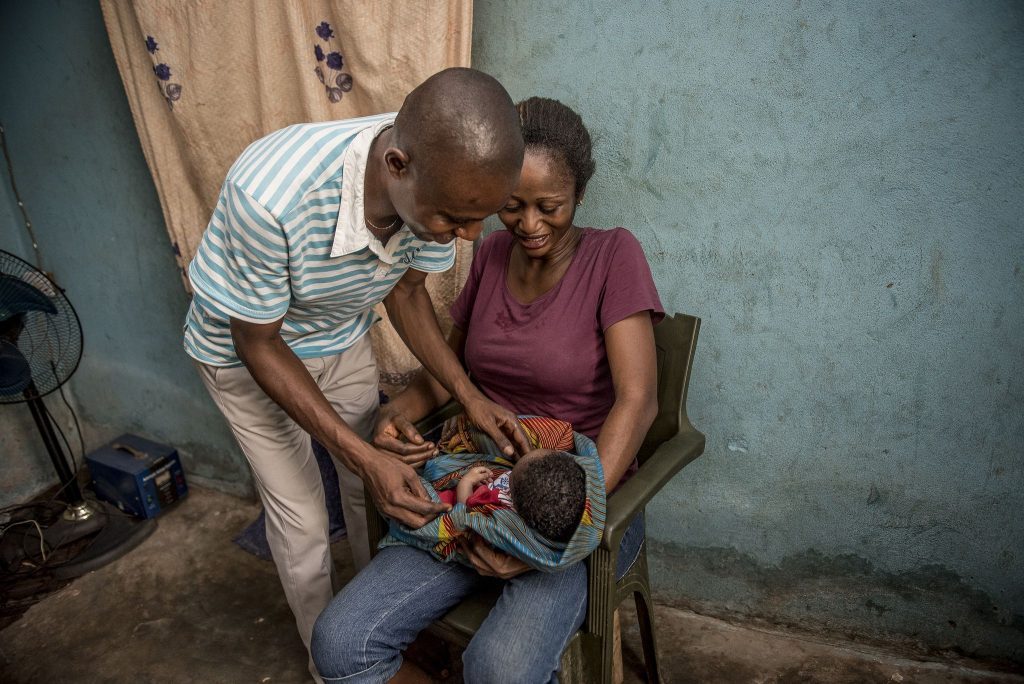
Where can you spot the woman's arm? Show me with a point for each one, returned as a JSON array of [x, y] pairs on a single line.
[[634, 367]]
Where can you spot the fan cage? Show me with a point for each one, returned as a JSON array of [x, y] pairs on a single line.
[[51, 343]]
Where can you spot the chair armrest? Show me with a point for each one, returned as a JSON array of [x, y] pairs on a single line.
[[667, 460], [452, 408]]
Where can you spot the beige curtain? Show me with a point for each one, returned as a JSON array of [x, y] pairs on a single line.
[[205, 78]]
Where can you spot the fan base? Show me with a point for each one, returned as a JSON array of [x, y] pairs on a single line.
[[85, 537], [80, 512], [118, 534]]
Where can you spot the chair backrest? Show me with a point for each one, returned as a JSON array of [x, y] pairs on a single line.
[[676, 341]]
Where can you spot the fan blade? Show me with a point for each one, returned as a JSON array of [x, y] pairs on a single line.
[[17, 296], [15, 372]]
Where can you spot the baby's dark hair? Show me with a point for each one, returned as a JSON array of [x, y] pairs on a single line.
[[549, 493], [556, 129]]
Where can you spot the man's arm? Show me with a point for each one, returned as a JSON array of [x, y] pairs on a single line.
[[412, 314], [394, 486], [396, 419]]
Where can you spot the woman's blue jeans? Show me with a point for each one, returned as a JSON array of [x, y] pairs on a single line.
[[362, 633]]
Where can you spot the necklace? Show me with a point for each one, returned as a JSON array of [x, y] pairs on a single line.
[[382, 229], [398, 219]]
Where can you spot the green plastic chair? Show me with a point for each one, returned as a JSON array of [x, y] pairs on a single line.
[[671, 443]]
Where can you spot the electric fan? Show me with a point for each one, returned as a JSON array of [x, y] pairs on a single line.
[[40, 347]]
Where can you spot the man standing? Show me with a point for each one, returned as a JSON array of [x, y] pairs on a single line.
[[315, 224]]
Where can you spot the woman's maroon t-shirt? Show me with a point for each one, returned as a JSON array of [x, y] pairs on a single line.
[[548, 357]]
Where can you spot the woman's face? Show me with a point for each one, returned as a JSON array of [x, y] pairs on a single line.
[[540, 211]]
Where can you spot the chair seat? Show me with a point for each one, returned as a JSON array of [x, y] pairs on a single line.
[[462, 622]]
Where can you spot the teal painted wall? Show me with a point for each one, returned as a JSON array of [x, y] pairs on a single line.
[[80, 171], [835, 188], [26, 468]]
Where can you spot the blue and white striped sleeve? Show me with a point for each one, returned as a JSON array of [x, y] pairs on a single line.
[[241, 267], [433, 257]]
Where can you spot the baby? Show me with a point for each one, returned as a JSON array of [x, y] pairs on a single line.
[[547, 488], [547, 508]]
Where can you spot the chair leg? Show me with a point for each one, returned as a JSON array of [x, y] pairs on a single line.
[[573, 668], [599, 641], [617, 673], [645, 615]]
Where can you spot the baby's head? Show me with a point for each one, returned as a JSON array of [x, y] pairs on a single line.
[[549, 491]]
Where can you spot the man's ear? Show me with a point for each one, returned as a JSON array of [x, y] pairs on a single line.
[[397, 162]]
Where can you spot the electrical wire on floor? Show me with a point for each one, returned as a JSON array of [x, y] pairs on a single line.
[[39, 531], [46, 513]]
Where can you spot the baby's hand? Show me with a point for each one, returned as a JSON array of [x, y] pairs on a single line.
[[477, 475], [473, 478]]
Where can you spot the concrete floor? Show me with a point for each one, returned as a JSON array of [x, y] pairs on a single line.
[[189, 606]]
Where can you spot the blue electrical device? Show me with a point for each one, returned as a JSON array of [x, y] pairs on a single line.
[[138, 476]]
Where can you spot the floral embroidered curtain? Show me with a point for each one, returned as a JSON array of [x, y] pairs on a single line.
[[204, 79]]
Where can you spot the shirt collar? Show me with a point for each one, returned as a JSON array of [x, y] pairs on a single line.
[[350, 233]]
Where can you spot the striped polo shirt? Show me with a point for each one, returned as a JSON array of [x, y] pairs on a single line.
[[287, 240]]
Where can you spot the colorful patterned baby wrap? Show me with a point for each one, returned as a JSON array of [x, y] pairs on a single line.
[[462, 447]]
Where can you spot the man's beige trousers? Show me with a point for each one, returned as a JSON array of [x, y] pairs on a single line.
[[286, 473]]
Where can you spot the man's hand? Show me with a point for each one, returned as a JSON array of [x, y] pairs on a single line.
[[397, 491], [488, 561], [389, 432], [500, 424]]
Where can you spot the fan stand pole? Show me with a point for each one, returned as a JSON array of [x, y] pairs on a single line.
[[112, 533], [78, 509]]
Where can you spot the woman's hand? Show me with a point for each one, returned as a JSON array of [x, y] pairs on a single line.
[[488, 561], [392, 426]]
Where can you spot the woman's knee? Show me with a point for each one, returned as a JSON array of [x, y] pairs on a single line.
[[523, 637], [483, 665], [497, 661], [346, 643], [381, 610], [338, 645]]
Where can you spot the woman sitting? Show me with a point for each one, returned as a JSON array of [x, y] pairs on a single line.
[[555, 320]]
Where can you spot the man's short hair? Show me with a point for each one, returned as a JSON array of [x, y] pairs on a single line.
[[461, 116]]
